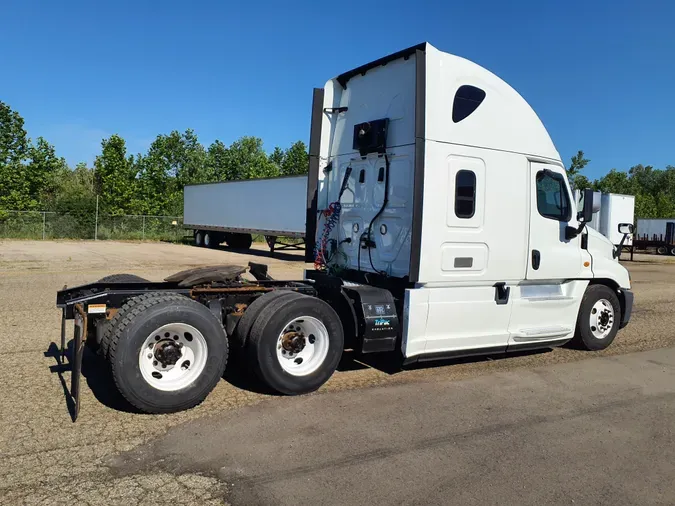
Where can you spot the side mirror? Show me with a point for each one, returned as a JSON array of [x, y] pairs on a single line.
[[625, 228], [589, 208]]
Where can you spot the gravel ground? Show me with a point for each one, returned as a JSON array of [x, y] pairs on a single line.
[[46, 459]]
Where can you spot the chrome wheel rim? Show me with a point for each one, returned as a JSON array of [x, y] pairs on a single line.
[[302, 346], [173, 357], [602, 319]]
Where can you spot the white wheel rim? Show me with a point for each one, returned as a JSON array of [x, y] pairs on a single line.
[[302, 346], [207, 240], [173, 374], [602, 318], [198, 238]]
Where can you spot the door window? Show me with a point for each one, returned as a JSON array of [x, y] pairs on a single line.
[[552, 198]]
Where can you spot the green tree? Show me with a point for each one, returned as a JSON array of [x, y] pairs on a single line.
[[41, 174], [277, 157], [13, 153], [217, 160], [581, 182], [296, 160], [246, 159], [577, 163], [115, 176], [75, 203]]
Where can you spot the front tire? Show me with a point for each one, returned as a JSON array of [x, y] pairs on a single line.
[[599, 318], [167, 352], [296, 344]]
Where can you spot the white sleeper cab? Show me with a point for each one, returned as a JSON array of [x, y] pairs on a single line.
[[452, 196], [440, 223]]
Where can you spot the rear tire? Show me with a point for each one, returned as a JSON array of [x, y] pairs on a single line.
[[242, 331], [311, 360], [199, 238], [110, 327], [672, 251], [122, 278], [102, 326], [156, 326], [599, 318], [661, 250]]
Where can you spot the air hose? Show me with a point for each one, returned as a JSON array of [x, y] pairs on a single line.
[[332, 217]]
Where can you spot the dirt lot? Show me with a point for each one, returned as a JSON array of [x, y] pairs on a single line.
[[44, 458]]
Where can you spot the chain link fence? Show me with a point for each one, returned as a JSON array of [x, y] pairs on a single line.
[[51, 225]]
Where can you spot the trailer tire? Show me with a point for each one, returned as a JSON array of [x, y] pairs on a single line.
[[672, 251], [199, 238], [153, 323], [242, 331], [661, 250], [307, 367], [211, 240], [599, 318], [239, 241]]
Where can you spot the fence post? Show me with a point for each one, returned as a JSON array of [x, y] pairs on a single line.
[[44, 222], [96, 223], [143, 228]]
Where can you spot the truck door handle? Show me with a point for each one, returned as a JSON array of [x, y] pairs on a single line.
[[536, 259], [502, 293]]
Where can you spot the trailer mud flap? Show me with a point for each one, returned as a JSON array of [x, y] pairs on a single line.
[[79, 337]]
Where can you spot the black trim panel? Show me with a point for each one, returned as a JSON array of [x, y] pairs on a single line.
[[492, 350], [313, 174], [512, 348], [346, 76], [418, 180], [628, 307]]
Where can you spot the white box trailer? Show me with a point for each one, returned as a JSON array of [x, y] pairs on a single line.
[[444, 227], [233, 211], [616, 209]]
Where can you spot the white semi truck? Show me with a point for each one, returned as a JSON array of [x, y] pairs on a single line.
[[440, 222]]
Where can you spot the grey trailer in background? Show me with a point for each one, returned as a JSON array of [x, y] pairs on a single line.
[[234, 211], [656, 233]]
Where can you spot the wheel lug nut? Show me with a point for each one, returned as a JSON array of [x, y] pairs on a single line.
[[154, 362], [149, 355]]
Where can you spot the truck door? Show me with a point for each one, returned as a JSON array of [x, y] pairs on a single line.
[[546, 303], [551, 255]]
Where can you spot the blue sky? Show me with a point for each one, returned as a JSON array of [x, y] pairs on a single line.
[[600, 74]]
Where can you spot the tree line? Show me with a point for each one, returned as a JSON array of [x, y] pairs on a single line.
[[654, 189], [34, 178]]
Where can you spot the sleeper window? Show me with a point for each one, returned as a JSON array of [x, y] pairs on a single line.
[[467, 99], [552, 198], [465, 194]]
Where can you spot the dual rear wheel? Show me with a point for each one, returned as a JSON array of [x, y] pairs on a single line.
[[167, 352]]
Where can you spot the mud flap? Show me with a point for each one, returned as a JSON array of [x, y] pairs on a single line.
[[79, 338]]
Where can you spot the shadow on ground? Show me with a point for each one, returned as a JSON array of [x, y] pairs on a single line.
[[96, 372]]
